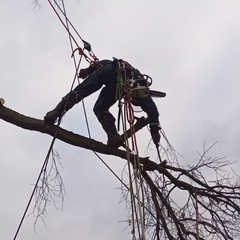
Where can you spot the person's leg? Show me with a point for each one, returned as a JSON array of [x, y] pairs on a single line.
[[148, 106], [90, 85], [62, 107], [106, 99]]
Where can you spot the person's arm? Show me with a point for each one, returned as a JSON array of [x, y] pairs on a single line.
[[149, 107]]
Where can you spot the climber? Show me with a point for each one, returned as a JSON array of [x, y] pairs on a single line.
[[95, 76]]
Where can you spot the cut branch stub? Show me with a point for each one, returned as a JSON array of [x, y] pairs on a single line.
[[2, 101]]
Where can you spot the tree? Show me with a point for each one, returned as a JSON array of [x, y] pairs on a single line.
[[207, 210]]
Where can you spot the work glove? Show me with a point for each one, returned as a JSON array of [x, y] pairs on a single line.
[[154, 130], [83, 73]]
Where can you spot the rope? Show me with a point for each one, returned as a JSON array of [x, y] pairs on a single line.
[[69, 22], [62, 21], [128, 117], [136, 207], [66, 26], [38, 179], [75, 64]]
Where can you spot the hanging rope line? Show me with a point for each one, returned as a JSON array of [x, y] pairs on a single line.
[[136, 187], [45, 163], [75, 62], [135, 202], [63, 11]]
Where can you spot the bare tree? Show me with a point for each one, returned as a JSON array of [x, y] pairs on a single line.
[[166, 200]]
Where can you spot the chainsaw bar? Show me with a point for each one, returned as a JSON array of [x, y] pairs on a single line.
[[154, 93]]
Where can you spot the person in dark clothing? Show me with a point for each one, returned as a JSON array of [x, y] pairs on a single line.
[[95, 76]]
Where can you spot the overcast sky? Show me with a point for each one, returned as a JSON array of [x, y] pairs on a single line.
[[191, 50]]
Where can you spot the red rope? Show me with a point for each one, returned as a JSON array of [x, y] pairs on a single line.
[[63, 23], [80, 50], [129, 113]]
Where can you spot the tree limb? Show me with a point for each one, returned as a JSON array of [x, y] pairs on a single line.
[[74, 139]]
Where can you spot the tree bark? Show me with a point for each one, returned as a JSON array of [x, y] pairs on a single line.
[[74, 139]]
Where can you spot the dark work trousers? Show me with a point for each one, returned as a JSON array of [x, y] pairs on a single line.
[[106, 76]]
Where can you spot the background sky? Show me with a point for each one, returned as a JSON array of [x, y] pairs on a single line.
[[191, 50]]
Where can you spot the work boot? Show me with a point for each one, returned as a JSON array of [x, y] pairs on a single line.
[[108, 123], [114, 139], [67, 102], [53, 115]]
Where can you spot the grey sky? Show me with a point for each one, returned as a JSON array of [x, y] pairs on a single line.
[[190, 48]]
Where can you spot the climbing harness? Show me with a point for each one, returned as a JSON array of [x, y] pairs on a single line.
[[132, 83]]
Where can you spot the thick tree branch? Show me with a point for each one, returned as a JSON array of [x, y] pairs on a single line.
[[74, 139]]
